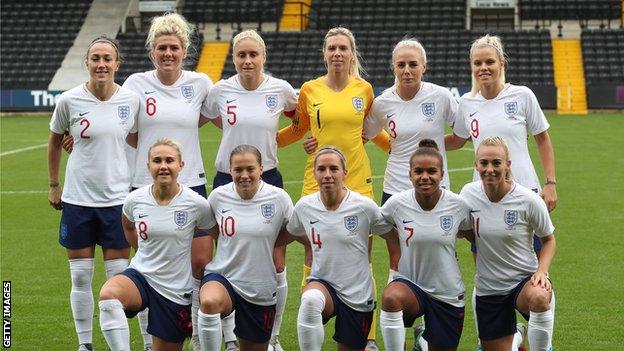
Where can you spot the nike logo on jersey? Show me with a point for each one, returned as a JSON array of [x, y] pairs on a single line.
[[390, 115], [475, 211], [230, 101], [142, 215], [406, 221], [317, 104], [474, 113], [150, 92], [226, 210], [314, 222], [82, 113]]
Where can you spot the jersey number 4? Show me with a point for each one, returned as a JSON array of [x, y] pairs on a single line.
[[316, 238]]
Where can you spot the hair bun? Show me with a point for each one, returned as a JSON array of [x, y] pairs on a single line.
[[428, 143]]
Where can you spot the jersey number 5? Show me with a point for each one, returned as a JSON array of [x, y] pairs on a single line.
[[316, 238], [231, 111]]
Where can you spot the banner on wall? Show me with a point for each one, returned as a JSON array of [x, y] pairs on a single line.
[[29, 100]]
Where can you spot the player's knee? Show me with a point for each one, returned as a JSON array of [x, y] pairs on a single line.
[[391, 299], [539, 300], [109, 292], [312, 304], [211, 304]]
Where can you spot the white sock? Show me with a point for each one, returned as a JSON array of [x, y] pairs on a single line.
[[540, 330], [227, 325], [517, 340], [310, 320], [115, 266], [209, 326], [552, 308], [392, 330], [195, 305], [143, 321], [81, 298], [391, 274], [282, 296], [114, 325], [474, 312]]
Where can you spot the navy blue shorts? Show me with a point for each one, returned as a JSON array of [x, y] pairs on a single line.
[[272, 176], [166, 319], [83, 227], [352, 327], [253, 322], [496, 314], [444, 323]]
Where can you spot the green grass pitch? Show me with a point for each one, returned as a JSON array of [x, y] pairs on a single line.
[[587, 274]]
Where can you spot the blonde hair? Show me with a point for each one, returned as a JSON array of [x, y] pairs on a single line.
[[497, 142], [355, 68], [408, 43], [251, 34], [166, 142], [169, 24], [488, 41], [331, 150]]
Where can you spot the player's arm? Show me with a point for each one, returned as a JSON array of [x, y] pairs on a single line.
[[130, 232], [453, 142], [216, 121], [545, 258], [132, 139], [201, 252], [382, 140], [284, 238], [300, 123], [54, 163], [547, 157]]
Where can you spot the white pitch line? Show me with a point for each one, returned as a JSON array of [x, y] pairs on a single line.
[[288, 182], [16, 151]]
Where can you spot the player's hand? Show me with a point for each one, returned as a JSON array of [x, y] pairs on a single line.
[[540, 278], [310, 145], [549, 194], [364, 138], [54, 197], [68, 143]]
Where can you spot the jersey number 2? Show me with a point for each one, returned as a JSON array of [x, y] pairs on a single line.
[[86, 124]]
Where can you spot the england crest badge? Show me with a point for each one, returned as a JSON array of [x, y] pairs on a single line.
[[268, 210], [511, 108], [351, 223], [180, 218], [123, 112], [428, 109], [511, 217], [187, 91], [358, 103], [271, 101], [446, 223]]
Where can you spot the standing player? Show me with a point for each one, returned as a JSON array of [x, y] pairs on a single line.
[[98, 114], [333, 108], [510, 276], [249, 105], [159, 221], [337, 222], [496, 108], [241, 277], [171, 100], [428, 281]]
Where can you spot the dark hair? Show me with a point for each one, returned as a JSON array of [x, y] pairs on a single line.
[[331, 150], [244, 149], [105, 39], [427, 147]]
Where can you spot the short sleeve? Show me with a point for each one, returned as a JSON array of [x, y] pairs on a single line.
[[459, 127], [290, 98], [60, 118], [288, 208], [539, 218], [535, 118], [210, 106], [452, 108], [374, 121], [128, 207], [131, 85], [207, 82], [379, 225], [205, 216], [466, 220], [294, 226]]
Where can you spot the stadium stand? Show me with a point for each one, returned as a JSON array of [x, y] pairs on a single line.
[[603, 55], [232, 11], [35, 38], [569, 9]]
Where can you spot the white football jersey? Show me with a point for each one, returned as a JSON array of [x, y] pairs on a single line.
[[428, 243], [511, 115], [504, 236], [247, 233], [408, 122], [249, 117], [339, 240], [170, 111], [97, 173], [164, 236]]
